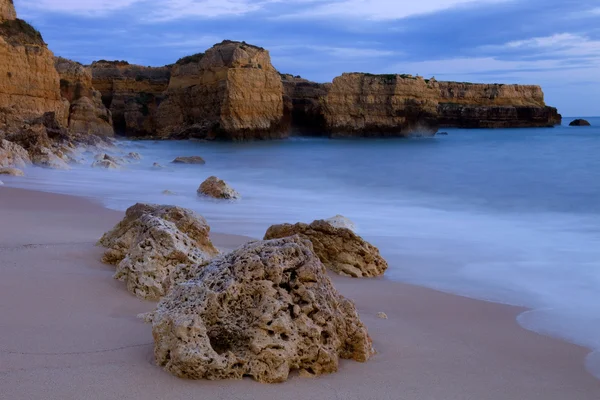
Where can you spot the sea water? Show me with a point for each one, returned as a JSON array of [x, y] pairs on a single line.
[[505, 215]]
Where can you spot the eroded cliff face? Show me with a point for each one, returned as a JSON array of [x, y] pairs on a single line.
[[303, 104], [232, 92], [132, 93], [29, 83], [87, 114], [380, 105], [7, 10], [467, 105]]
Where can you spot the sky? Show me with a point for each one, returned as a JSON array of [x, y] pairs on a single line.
[[553, 43]]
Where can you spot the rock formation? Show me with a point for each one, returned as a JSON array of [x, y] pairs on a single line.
[[154, 246], [467, 105], [29, 86], [380, 105], [11, 154], [11, 171], [132, 93], [303, 104], [340, 249], [87, 114], [339, 221], [217, 189], [580, 122], [232, 92], [262, 311]]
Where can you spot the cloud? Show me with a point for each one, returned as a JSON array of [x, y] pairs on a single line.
[[82, 7], [335, 51], [381, 10], [177, 9], [556, 45]]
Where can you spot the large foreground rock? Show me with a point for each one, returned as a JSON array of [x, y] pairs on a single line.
[[262, 311], [339, 248], [153, 244]]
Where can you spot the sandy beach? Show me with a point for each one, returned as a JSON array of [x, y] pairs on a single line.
[[69, 331]]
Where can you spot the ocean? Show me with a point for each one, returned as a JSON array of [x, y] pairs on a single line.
[[505, 215]]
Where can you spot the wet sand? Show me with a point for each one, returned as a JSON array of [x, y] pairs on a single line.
[[69, 331]]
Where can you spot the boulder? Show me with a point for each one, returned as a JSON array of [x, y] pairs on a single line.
[[13, 155], [44, 157], [154, 246], [106, 164], [197, 160], [218, 189], [340, 249], [11, 171], [580, 122], [261, 311]]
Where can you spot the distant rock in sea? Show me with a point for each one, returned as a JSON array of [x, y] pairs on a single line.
[[580, 122], [197, 160]]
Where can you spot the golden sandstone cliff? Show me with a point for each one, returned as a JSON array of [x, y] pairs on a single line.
[[132, 93], [29, 83], [232, 92]]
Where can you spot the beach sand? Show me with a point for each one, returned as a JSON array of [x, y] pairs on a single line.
[[68, 330]]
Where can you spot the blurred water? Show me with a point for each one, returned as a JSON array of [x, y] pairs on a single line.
[[511, 216]]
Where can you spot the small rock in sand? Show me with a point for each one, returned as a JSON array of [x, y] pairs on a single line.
[[382, 315], [11, 171], [189, 160], [218, 189]]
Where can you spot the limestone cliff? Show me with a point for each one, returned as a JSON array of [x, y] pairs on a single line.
[[29, 83], [132, 93], [467, 105], [380, 105], [303, 104], [232, 92], [87, 114], [7, 10]]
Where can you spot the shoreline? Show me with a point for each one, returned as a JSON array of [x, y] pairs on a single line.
[[434, 344]]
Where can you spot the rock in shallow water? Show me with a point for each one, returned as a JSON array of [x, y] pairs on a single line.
[[218, 189], [11, 171], [153, 247], [580, 122], [106, 164], [196, 160], [262, 311], [340, 249]]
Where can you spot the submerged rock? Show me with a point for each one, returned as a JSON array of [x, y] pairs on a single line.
[[580, 122], [168, 193], [134, 156], [382, 315], [262, 311], [218, 189], [197, 160], [157, 166], [340, 249], [153, 247], [11, 171]]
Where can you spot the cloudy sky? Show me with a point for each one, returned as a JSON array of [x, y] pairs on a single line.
[[554, 43]]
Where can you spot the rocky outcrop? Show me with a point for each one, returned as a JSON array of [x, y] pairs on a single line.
[[11, 171], [303, 102], [7, 10], [339, 221], [580, 122], [87, 114], [217, 189], [380, 105], [154, 246], [132, 93], [467, 105], [262, 311], [340, 249], [29, 86], [232, 92], [11, 154]]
